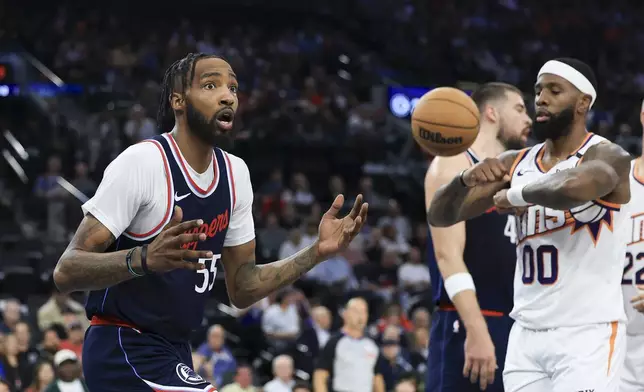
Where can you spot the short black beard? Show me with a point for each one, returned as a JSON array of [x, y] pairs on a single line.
[[511, 143], [555, 127], [206, 129]]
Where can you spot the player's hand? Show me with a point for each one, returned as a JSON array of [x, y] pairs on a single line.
[[165, 253], [501, 201], [335, 233], [480, 359], [487, 171], [638, 300]]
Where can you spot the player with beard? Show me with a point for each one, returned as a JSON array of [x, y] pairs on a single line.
[[168, 211], [470, 329], [568, 191]]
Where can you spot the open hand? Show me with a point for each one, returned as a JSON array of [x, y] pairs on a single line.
[[165, 252], [480, 358], [335, 233]]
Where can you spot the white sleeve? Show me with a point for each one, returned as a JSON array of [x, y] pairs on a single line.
[[241, 228], [125, 187]]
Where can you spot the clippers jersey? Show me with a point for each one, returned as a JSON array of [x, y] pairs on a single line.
[[489, 255], [634, 266], [172, 304], [569, 263]]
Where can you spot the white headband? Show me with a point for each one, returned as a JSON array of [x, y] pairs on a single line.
[[569, 73]]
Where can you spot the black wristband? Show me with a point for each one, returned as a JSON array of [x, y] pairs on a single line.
[[144, 259], [128, 263]]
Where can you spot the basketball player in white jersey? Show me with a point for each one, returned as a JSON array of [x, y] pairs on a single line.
[[463, 251], [569, 331], [633, 280]]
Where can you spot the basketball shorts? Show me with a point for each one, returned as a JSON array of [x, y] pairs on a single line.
[[633, 373], [583, 358], [119, 359], [447, 352]]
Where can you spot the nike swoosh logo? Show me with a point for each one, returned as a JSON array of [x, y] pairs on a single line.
[[179, 198], [520, 173]]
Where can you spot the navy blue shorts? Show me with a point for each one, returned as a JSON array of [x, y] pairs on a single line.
[[120, 358], [447, 357]]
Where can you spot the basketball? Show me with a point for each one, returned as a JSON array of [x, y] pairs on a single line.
[[445, 121]]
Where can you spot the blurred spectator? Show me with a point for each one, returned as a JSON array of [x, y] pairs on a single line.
[[50, 344], [376, 200], [283, 372], [419, 353], [82, 181], [272, 237], [350, 361], [75, 337], [139, 126], [68, 373], [43, 376], [46, 185], [394, 316], [395, 364], [293, 244], [300, 194], [395, 218], [301, 387], [52, 312], [4, 386], [243, 381], [10, 315], [281, 321], [11, 365], [392, 241], [413, 276], [27, 354], [321, 324], [213, 359]]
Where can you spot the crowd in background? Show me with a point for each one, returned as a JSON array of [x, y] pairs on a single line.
[[307, 124]]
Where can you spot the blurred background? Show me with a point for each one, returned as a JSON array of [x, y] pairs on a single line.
[[325, 96]]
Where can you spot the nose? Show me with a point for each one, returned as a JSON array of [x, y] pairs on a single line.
[[227, 99], [540, 100]]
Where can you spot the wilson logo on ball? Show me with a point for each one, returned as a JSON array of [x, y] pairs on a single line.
[[437, 137]]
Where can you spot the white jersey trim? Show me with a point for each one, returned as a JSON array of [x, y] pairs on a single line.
[[183, 167]]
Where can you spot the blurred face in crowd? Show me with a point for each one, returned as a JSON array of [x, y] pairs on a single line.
[[390, 349], [393, 315], [11, 313], [23, 334], [76, 333], [210, 102], [11, 345], [420, 318], [557, 103], [51, 341], [244, 377], [301, 389], [356, 314], [283, 368], [216, 337], [45, 373], [322, 317], [414, 256], [69, 371], [514, 122]]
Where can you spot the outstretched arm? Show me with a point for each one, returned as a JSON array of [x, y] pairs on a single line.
[[457, 201], [602, 173]]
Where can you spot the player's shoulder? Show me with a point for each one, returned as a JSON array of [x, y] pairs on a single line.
[[236, 163], [145, 154]]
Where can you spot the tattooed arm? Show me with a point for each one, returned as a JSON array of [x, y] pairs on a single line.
[[248, 282], [454, 202], [83, 266], [603, 173]]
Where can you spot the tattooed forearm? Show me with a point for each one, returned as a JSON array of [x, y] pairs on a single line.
[[253, 282], [83, 266]]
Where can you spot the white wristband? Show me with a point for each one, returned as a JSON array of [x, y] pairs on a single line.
[[515, 196], [459, 282]]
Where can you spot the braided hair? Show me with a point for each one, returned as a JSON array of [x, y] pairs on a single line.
[[176, 79]]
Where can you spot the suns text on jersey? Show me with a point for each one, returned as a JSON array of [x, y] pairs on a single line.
[[538, 220], [637, 229]]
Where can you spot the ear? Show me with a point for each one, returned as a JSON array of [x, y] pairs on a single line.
[[583, 104], [177, 102], [491, 114]]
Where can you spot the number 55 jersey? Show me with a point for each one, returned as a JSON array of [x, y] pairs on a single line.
[[569, 263]]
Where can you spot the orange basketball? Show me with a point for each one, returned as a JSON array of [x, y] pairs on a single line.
[[445, 121]]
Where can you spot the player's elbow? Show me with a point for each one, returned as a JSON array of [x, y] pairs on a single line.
[[62, 276], [240, 301], [582, 189]]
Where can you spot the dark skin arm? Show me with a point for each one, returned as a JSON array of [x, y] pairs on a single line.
[[83, 266], [602, 174], [248, 282], [453, 202]]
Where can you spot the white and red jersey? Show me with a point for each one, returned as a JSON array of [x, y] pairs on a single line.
[[569, 263]]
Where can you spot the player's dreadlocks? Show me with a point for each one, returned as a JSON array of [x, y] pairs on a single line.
[[177, 77]]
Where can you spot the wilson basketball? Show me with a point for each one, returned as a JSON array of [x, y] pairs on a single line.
[[445, 121]]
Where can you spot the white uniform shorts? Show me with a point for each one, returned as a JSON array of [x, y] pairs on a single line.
[[568, 359], [633, 373]]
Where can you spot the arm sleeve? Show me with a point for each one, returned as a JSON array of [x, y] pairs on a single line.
[[125, 187], [242, 227], [327, 356]]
